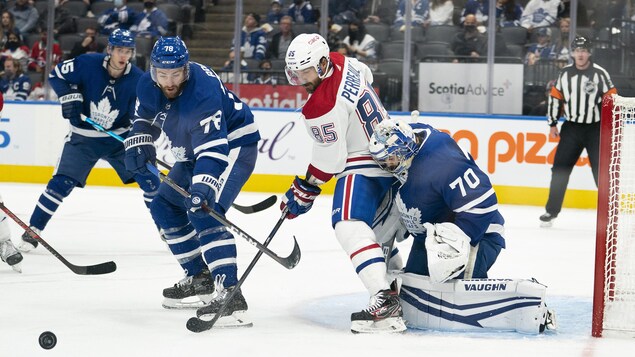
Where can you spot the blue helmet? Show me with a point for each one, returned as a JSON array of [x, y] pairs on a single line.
[[392, 146], [121, 38], [169, 53]]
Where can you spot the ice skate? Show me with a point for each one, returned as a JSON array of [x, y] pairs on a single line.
[[10, 255], [383, 315], [233, 315], [191, 292], [550, 322], [546, 220], [28, 243]]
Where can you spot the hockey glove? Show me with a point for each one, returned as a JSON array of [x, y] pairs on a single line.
[[72, 107], [448, 251], [299, 198], [202, 192], [139, 151]]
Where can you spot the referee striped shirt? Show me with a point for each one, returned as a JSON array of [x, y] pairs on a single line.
[[579, 93]]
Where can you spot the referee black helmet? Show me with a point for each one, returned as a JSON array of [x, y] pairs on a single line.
[[581, 42]]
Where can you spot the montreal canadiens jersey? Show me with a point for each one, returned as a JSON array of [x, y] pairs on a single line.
[[205, 121], [340, 116], [107, 101], [445, 185]]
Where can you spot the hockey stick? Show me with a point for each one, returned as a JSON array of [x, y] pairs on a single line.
[[197, 325], [103, 268], [289, 262], [260, 206]]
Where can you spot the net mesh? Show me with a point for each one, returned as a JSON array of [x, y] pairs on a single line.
[[619, 288]]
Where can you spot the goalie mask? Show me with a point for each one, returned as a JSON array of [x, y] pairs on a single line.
[[305, 53], [392, 146]]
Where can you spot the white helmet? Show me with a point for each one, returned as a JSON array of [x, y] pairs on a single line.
[[392, 146], [305, 51]]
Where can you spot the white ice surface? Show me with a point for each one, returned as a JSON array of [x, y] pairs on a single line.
[[299, 312]]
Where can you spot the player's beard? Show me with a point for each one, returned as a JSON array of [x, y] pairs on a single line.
[[310, 87], [173, 92]]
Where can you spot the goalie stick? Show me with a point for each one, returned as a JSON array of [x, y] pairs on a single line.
[[196, 324], [98, 269], [260, 206]]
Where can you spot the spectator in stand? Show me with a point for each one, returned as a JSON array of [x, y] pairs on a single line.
[[508, 13], [469, 43], [384, 12], [26, 16], [37, 59], [266, 77], [253, 38], [582, 15], [226, 72], [275, 13], [301, 12], [343, 12], [544, 49], [604, 13], [420, 13], [187, 17], [478, 8], [88, 44], [281, 40], [360, 44], [563, 54], [63, 21], [152, 22], [118, 17], [333, 37], [14, 48], [539, 13], [441, 12], [342, 49], [8, 25], [14, 84]]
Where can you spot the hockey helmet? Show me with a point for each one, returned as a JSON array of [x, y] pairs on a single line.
[[581, 42], [169, 53], [392, 146], [305, 51], [121, 38]]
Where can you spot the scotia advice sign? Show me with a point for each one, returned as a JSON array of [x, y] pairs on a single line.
[[462, 88]]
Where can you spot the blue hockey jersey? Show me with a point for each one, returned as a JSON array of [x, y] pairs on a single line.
[[17, 89], [108, 101], [202, 124], [445, 185]]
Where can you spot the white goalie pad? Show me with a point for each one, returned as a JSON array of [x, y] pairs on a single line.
[[473, 304], [5, 232], [448, 250]]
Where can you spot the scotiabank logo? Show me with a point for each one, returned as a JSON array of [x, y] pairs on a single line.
[[5, 139], [267, 96]]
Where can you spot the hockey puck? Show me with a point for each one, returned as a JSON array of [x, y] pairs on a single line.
[[47, 340]]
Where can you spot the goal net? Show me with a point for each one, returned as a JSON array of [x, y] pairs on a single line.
[[614, 290]]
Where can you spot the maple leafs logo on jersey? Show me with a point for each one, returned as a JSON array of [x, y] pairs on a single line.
[[411, 218], [179, 152], [103, 113]]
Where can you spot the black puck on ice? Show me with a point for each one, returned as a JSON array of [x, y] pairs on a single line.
[[47, 340]]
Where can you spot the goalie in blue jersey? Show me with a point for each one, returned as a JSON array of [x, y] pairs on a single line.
[[213, 136], [102, 87]]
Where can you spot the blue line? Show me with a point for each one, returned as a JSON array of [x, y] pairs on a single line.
[[4, 119]]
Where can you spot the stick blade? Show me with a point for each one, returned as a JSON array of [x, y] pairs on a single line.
[[293, 259], [197, 325], [99, 269], [260, 206]]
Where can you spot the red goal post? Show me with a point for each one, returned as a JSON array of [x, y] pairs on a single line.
[[614, 287]]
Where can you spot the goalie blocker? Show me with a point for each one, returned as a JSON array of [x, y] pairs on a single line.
[[475, 304]]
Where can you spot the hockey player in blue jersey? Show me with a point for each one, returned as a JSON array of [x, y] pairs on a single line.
[[102, 87], [213, 137], [446, 201]]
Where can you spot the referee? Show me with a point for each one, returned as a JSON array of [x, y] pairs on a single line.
[[578, 93]]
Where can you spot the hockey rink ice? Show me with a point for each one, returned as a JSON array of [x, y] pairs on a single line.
[[300, 312]]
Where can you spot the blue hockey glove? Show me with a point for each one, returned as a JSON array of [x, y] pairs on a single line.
[[299, 198], [139, 151], [72, 106], [201, 193]]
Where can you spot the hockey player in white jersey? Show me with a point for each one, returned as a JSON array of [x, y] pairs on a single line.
[[448, 205], [340, 114]]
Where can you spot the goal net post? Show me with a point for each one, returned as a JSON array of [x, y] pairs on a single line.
[[614, 286]]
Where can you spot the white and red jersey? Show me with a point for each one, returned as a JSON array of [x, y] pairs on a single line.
[[340, 116]]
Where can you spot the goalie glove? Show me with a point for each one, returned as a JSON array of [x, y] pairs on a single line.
[[139, 151], [299, 198], [448, 251], [72, 107]]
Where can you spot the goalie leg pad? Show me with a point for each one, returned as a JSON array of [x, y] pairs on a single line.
[[474, 304], [358, 241]]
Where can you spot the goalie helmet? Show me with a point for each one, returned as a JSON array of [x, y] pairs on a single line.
[[169, 53], [392, 146], [581, 42], [305, 51]]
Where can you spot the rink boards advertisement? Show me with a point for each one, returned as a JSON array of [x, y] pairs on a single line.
[[516, 152]]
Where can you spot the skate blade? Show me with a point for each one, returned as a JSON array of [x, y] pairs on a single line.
[[17, 267], [236, 320], [546, 224], [191, 303], [389, 325]]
